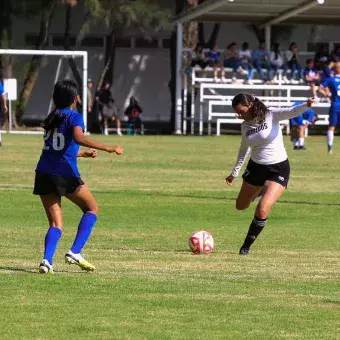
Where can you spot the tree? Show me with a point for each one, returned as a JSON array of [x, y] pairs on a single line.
[[46, 13]]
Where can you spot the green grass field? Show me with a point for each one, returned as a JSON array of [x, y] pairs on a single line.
[[147, 284]]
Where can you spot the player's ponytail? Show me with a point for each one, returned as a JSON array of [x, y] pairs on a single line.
[[258, 109], [53, 120], [64, 95]]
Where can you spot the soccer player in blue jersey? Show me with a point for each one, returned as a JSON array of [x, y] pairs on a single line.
[[298, 126], [331, 87], [57, 175]]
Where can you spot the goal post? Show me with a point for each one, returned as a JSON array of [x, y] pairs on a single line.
[[60, 53]]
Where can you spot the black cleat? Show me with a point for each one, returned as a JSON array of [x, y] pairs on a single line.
[[296, 147], [302, 148], [244, 251]]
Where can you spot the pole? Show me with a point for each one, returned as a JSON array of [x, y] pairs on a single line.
[[84, 99], [178, 117], [10, 115]]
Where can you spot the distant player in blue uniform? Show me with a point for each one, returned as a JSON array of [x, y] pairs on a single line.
[[298, 126], [214, 57], [331, 87], [57, 174]]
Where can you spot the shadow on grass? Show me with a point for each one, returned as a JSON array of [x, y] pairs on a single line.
[[18, 269]]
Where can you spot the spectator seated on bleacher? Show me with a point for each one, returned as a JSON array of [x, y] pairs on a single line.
[[261, 61], [322, 57], [214, 60], [245, 56], [110, 113], [293, 63], [335, 55], [232, 59], [277, 62], [312, 76], [133, 113], [198, 57]]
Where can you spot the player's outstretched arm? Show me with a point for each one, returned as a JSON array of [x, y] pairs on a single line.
[[81, 139], [293, 111], [90, 153]]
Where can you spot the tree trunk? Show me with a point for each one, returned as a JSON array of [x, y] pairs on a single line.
[[67, 45], [34, 66], [107, 71]]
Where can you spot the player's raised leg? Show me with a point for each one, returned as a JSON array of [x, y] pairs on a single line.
[[270, 194], [87, 203], [330, 137], [52, 205], [247, 195]]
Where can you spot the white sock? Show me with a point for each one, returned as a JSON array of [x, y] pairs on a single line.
[[301, 141], [296, 141], [330, 137], [106, 133]]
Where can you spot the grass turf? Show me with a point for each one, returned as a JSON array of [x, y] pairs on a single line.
[[147, 284]]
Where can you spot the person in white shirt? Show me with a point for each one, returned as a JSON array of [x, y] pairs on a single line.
[[110, 113], [277, 62], [246, 61], [267, 173]]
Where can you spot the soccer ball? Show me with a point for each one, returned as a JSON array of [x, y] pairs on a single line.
[[201, 242]]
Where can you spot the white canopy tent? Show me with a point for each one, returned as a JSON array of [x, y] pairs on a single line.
[[263, 13]]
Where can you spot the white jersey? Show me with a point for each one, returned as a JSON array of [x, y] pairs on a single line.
[[264, 141]]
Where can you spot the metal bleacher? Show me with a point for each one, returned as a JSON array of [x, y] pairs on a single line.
[[214, 99]]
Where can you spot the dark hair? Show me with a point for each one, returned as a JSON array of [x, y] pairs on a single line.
[[258, 110], [64, 94], [292, 44], [198, 46], [231, 45], [308, 61], [245, 45], [276, 50]]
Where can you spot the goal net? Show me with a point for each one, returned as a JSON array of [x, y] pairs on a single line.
[[54, 66]]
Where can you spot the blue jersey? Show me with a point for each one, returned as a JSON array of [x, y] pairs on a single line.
[[334, 86], [59, 156], [299, 120], [214, 55], [2, 90]]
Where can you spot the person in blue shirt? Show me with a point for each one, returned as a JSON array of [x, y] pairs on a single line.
[[330, 87], [57, 174], [312, 76], [298, 125], [261, 60], [214, 56], [328, 71]]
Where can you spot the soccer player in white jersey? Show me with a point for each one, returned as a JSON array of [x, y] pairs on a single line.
[[268, 170]]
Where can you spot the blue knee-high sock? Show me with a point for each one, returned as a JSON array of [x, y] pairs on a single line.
[[85, 227], [51, 241]]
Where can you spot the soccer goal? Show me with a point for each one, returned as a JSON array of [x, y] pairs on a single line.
[[49, 73]]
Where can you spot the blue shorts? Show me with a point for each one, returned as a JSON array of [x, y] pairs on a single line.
[[334, 117], [297, 121]]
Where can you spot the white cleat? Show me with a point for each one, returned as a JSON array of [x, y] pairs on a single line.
[[77, 259], [45, 267]]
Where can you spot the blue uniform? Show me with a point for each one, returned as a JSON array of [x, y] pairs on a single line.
[[214, 56], [2, 90], [59, 156], [334, 86], [307, 115]]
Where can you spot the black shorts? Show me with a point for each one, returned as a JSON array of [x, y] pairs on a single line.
[[257, 174], [45, 184]]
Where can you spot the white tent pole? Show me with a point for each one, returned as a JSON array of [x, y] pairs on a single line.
[[178, 117]]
